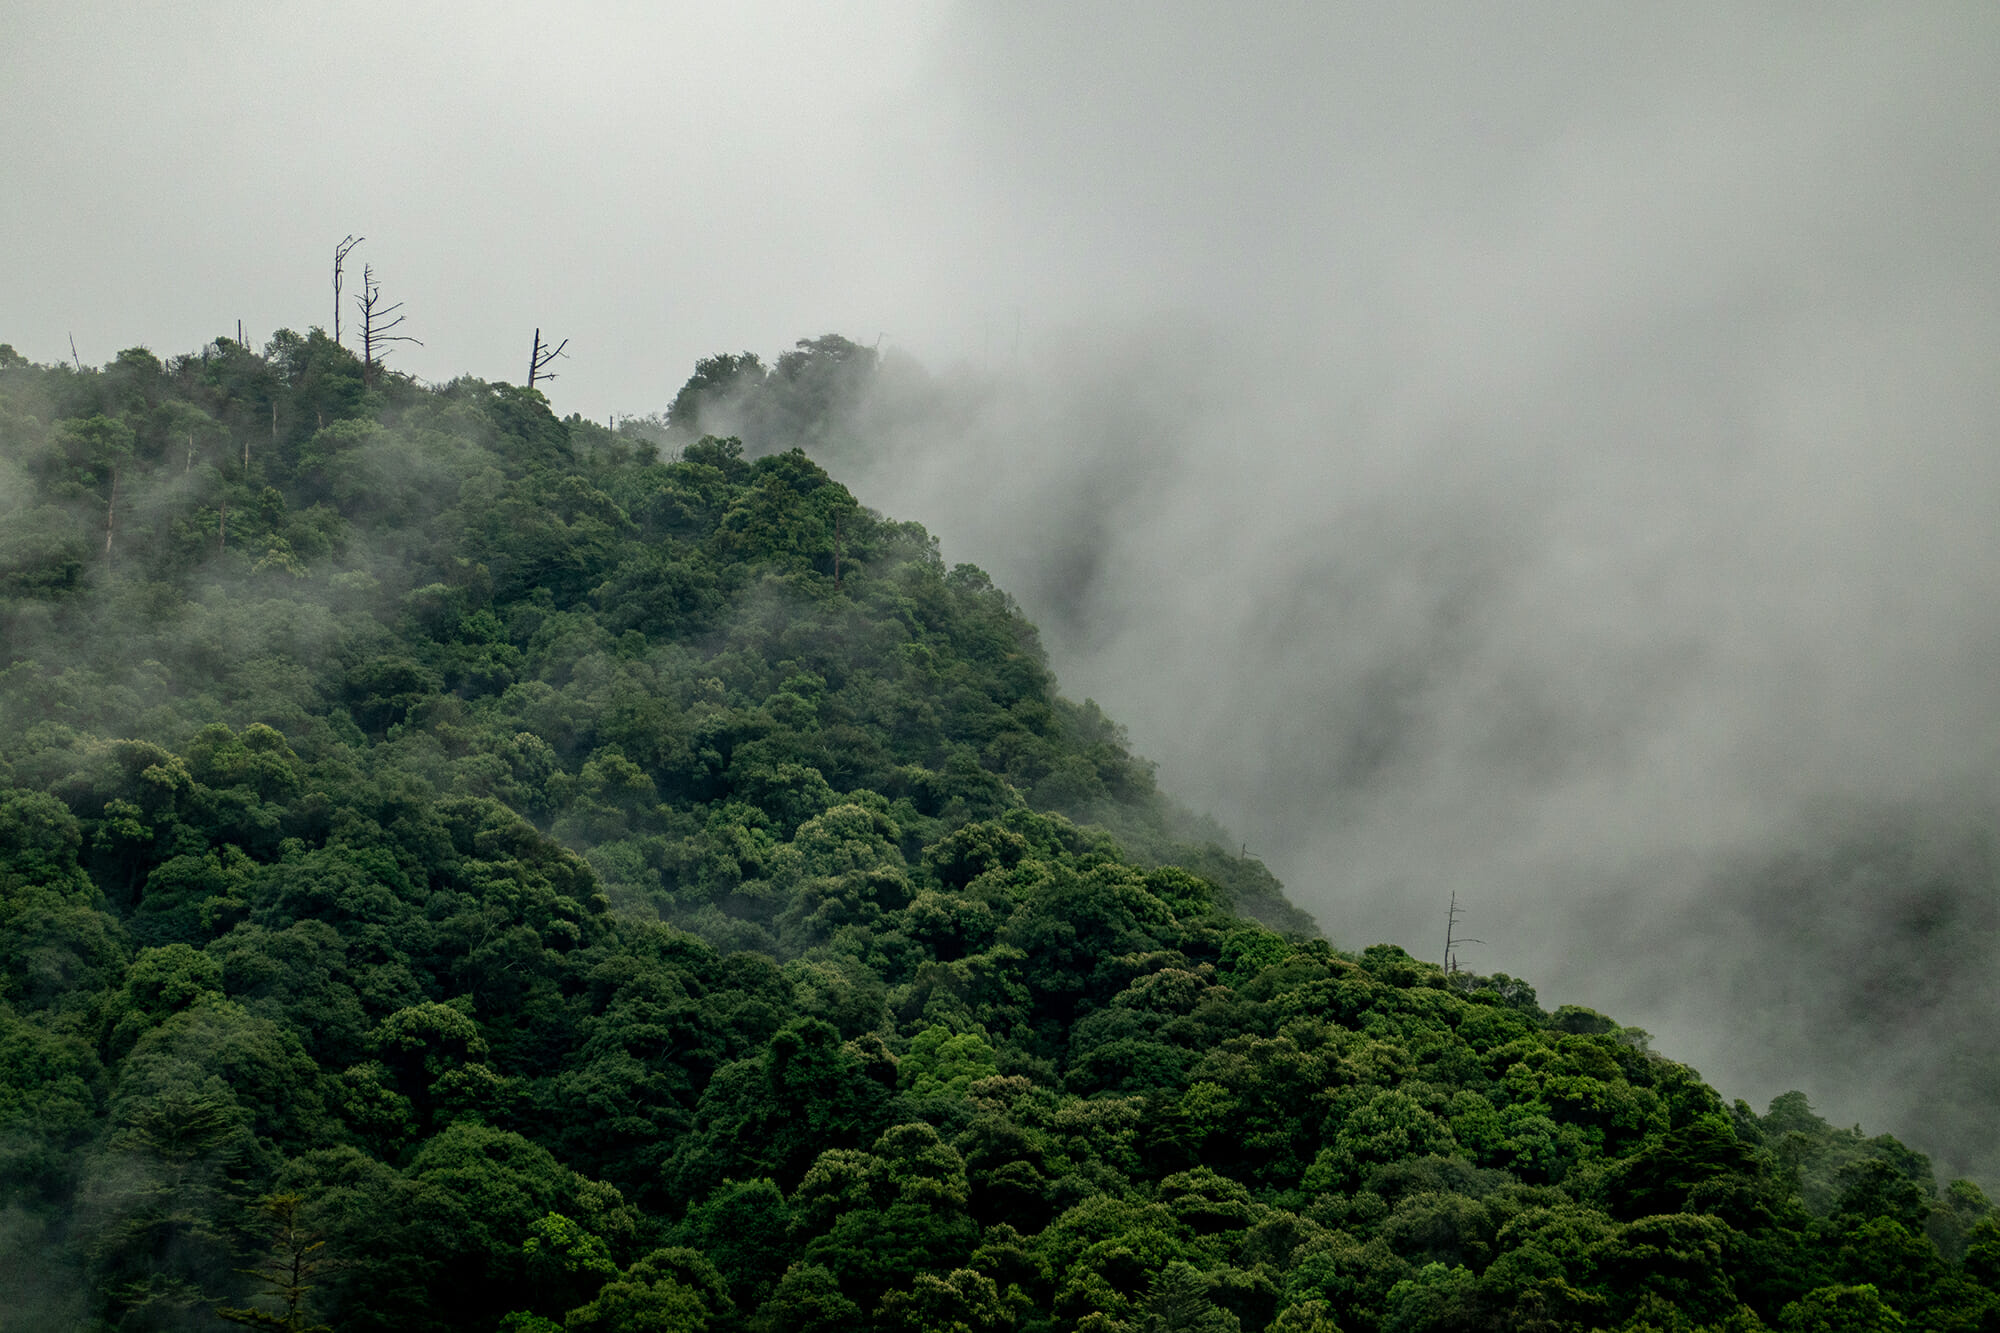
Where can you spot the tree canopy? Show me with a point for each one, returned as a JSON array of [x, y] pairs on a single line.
[[465, 869]]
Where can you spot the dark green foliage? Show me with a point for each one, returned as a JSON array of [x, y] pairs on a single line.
[[522, 881]]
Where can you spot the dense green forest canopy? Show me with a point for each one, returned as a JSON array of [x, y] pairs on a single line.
[[466, 869]]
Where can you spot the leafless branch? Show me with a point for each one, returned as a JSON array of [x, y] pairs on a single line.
[[539, 358], [340, 253], [375, 326]]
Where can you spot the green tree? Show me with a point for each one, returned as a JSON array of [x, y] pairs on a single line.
[[566, 1264], [286, 1274], [809, 1300], [961, 1301], [742, 1227], [1177, 1302], [707, 393], [668, 1291], [1855, 1309]]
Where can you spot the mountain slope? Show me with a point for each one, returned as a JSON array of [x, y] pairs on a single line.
[[576, 884]]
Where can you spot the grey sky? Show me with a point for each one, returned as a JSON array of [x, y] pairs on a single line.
[[1543, 452]]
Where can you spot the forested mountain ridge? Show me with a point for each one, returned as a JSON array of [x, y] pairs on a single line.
[[465, 869]]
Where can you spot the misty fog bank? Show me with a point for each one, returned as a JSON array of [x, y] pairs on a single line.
[[1564, 475], [1642, 664], [1634, 579]]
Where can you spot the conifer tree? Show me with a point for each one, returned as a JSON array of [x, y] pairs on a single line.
[[286, 1272]]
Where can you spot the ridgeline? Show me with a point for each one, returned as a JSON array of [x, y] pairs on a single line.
[[462, 869]]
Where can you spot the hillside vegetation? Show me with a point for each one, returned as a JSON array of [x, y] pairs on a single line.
[[462, 869]]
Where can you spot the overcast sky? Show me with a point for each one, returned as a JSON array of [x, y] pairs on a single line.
[[1541, 452]]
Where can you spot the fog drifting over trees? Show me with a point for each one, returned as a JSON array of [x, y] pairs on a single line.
[[1544, 458]]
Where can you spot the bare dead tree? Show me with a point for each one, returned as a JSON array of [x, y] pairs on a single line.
[[340, 253], [376, 324], [72, 352], [1451, 941], [540, 357]]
